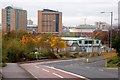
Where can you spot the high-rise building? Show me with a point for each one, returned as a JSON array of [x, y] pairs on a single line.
[[49, 21], [13, 19], [29, 22]]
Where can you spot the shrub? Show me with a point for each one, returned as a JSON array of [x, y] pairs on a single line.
[[57, 55], [61, 55], [15, 51], [67, 54], [76, 55], [113, 62], [81, 54], [30, 56], [3, 64]]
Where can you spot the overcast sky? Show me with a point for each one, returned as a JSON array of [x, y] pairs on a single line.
[[74, 11]]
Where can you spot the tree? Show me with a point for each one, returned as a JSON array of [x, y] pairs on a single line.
[[39, 42], [28, 43], [103, 36], [21, 33], [57, 43], [15, 51], [24, 40], [116, 45]]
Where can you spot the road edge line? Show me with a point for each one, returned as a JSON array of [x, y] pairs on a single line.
[[68, 72]]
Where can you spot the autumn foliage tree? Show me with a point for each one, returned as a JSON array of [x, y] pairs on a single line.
[[103, 36], [57, 43]]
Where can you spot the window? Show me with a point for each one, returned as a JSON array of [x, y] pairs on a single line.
[[90, 42], [80, 42], [97, 42], [86, 42]]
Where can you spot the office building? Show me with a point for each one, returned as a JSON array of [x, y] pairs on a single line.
[[13, 19], [49, 21]]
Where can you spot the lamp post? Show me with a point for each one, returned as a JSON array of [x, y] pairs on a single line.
[[110, 34]]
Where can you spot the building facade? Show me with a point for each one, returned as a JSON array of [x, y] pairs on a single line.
[[49, 21], [102, 26], [32, 28], [29, 22], [83, 30], [82, 44], [13, 19]]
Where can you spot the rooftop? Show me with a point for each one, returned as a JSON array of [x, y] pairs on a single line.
[[86, 27], [76, 38], [31, 26], [48, 10]]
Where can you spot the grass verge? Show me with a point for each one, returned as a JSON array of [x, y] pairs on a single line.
[[113, 62], [3, 64]]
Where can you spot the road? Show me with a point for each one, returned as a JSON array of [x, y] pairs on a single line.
[[71, 69], [41, 71], [90, 70]]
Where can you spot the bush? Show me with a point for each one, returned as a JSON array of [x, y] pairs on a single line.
[[15, 51], [81, 54], [67, 54], [57, 55], [30, 56], [76, 55], [52, 56], [42, 55], [3, 64], [113, 62], [61, 55]]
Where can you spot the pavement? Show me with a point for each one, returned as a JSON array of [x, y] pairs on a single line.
[[42, 71], [95, 70], [73, 69], [14, 71]]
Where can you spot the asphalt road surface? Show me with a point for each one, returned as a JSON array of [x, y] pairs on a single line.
[[71, 69], [42, 71], [89, 70]]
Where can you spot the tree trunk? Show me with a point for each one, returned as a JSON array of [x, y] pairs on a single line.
[[57, 50]]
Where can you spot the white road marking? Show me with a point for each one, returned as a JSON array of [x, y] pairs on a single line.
[[57, 75], [67, 72], [88, 67], [100, 69], [45, 70], [36, 66]]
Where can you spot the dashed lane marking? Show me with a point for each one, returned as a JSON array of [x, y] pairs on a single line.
[[57, 75], [88, 67], [36, 66], [67, 72], [101, 70], [45, 70]]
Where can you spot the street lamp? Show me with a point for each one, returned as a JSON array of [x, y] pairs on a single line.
[[110, 34]]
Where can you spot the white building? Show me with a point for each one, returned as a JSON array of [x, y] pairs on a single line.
[[83, 30], [82, 44], [102, 26]]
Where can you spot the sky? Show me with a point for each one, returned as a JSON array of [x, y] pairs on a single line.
[[74, 11]]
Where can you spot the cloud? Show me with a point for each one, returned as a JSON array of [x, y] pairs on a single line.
[[73, 11]]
